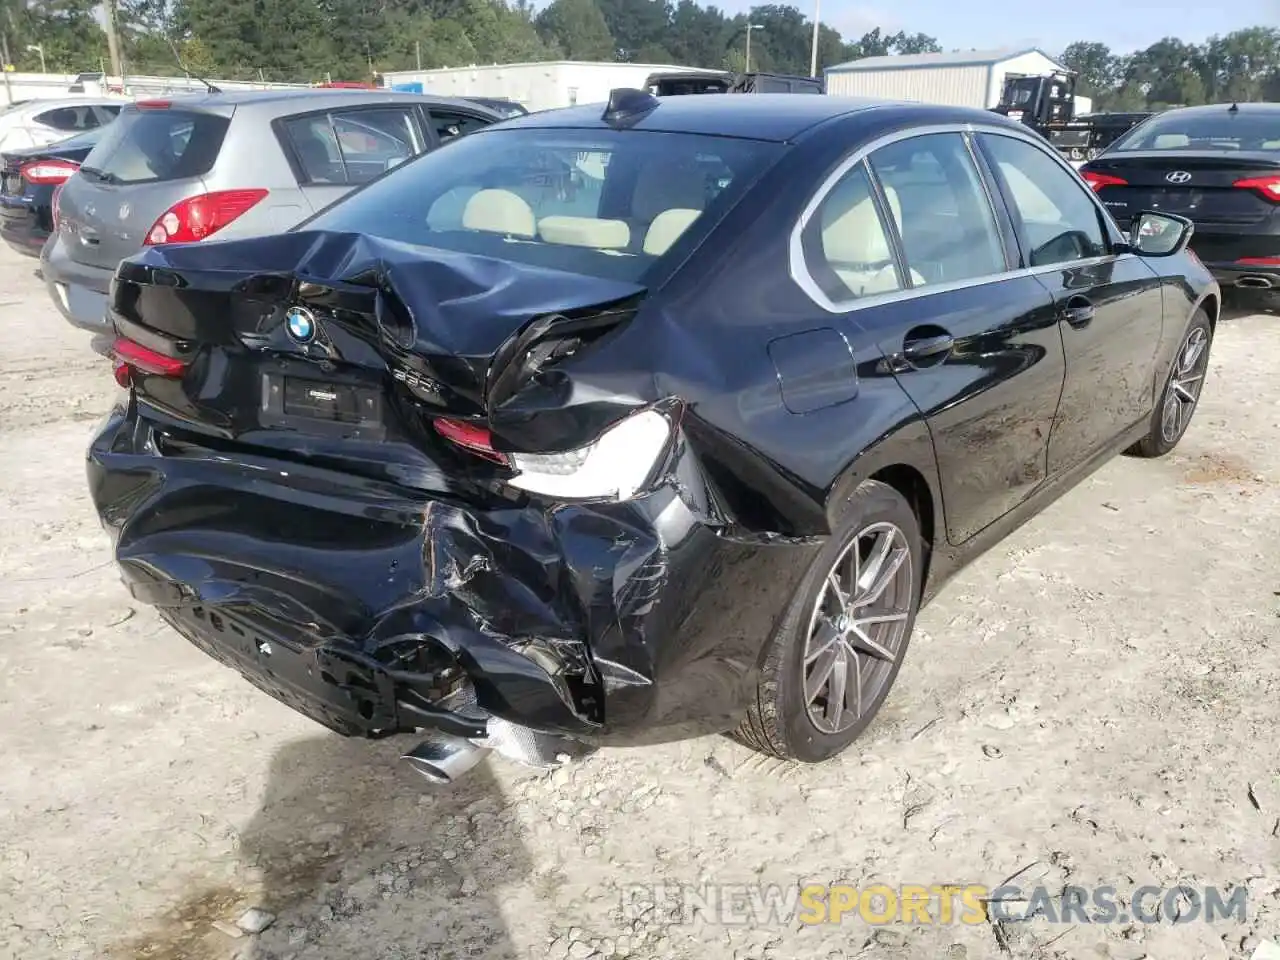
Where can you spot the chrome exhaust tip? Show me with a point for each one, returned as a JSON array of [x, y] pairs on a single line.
[[442, 758], [1255, 282]]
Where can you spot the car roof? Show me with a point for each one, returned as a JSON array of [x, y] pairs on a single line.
[[1212, 108], [282, 101], [756, 116]]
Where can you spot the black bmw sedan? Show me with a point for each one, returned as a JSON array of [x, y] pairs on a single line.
[[633, 422], [29, 180], [1218, 166]]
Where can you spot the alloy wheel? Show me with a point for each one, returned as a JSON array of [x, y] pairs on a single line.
[[858, 627], [1185, 381]]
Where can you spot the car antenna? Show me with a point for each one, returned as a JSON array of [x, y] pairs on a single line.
[[183, 67], [628, 105]]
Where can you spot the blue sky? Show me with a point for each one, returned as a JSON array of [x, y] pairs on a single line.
[[1124, 25]]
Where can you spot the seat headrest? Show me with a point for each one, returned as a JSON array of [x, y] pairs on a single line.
[[499, 211], [661, 187], [667, 228], [851, 229], [585, 232]]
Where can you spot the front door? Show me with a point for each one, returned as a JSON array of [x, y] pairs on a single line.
[[1110, 308], [924, 265]]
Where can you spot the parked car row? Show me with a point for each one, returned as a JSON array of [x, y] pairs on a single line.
[[607, 425]]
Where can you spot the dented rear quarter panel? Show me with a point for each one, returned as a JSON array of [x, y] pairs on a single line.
[[361, 544]]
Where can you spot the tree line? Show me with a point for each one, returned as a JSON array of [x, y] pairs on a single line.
[[313, 40]]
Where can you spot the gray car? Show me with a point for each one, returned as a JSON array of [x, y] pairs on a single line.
[[228, 165]]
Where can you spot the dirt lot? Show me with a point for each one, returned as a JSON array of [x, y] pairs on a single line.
[[1093, 702]]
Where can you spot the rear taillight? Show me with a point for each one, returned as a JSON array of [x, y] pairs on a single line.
[[1259, 261], [470, 437], [198, 217], [1269, 187], [1100, 180], [154, 104], [48, 171], [130, 356]]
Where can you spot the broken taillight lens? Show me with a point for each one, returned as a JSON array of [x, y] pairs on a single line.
[[133, 356], [469, 436], [198, 217]]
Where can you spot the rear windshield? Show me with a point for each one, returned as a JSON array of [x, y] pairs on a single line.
[[1218, 130], [154, 145], [605, 203]]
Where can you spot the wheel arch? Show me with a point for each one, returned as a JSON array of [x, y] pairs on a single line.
[[906, 462]]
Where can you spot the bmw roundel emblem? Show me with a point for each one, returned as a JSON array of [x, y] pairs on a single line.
[[301, 324]]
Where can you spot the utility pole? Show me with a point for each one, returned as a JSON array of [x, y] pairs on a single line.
[[750, 28], [417, 52], [4, 66], [113, 41], [813, 56]]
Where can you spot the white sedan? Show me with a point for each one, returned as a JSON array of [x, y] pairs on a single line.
[[35, 123]]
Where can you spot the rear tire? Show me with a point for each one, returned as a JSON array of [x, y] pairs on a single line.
[[842, 641], [1181, 394]]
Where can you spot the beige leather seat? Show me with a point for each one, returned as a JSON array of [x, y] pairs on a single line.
[[667, 228], [661, 187], [1171, 141], [855, 244], [585, 232], [499, 211]]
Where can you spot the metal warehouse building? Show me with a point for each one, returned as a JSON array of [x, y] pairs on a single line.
[[972, 79]]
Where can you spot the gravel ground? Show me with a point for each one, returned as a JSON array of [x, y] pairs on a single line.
[[1092, 702]]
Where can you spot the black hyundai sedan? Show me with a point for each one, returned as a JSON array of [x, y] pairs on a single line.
[[1218, 166], [29, 181], [633, 422]]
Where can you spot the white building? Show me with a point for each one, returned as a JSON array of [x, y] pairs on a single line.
[[536, 86], [972, 79]]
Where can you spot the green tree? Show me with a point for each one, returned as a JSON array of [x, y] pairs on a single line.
[[579, 28]]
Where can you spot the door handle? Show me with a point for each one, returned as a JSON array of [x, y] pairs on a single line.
[[926, 348], [1078, 311]]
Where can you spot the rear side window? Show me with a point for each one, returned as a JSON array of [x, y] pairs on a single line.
[[940, 208], [451, 125], [153, 146], [846, 244], [352, 147], [69, 119]]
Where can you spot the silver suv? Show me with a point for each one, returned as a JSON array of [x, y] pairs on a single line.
[[228, 165]]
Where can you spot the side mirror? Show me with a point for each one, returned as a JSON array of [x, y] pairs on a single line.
[[1159, 234]]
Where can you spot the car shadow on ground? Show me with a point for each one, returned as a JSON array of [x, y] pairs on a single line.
[[352, 854]]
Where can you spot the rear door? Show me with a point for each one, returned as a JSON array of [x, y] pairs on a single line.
[[154, 155], [924, 264], [1109, 307], [333, 151]]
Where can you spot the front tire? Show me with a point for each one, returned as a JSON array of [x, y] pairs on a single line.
[[1181, 394], [834, 659]]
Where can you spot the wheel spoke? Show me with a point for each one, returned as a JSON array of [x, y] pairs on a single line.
[[883, 565], [856, 687], [858, 640], [836, 692], [833, 582], [826, 638], [817, 679], [862, 622]]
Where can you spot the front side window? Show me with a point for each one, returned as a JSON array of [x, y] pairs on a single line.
[[1059, 220], [607, 203], [846, 244], [940, 208]]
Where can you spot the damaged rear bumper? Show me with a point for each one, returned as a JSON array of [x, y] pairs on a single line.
[[370, 608]]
